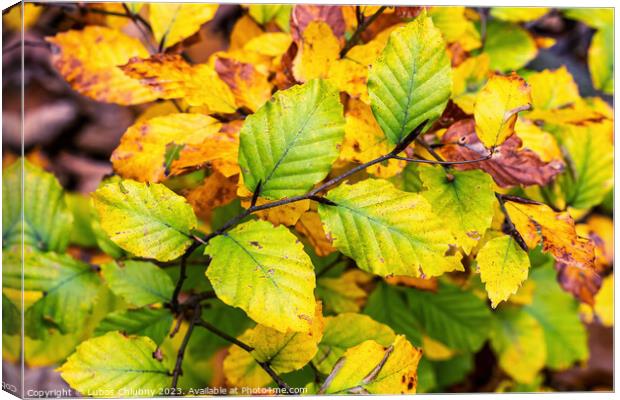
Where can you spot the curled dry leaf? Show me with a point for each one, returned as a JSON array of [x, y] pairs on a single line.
[[539, 224], [303, 15], [88, 60], [171, 77], [510, 165]]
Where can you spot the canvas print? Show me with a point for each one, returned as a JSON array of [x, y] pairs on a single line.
[[295, 199]]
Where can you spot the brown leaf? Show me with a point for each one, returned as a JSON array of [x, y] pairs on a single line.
[[302, 15], [574, 255], [408, 12], [216, 190], [510, 164], [171, 77], [284, 77], [250, 87]]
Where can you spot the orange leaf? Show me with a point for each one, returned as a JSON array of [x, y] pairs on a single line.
[[310, 226], [250, 87], [171, 77], [88, 60], [216, 190]]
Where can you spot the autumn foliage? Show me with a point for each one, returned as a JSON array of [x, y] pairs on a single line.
[[343, 199]]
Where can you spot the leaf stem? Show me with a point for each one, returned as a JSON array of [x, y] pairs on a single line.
[[511, 229]]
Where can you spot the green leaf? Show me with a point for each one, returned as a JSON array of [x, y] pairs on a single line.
[[387, 304], [233, 321], [82, 233], [558, 313], [410, 82], [290, 143], [46, 221], [427, 381], [113, 365], [11, 317], [67, 284], [464, 199], [264, 271], [454, 370], [154, 323], [341, 294], [590, 174], [411, 178], [139, 283], [503, 267], [518, 339], [601, 59], [388, 231], [452, 316], [147, 220], [509, 46], [345, 331], [264, 13], [593, 17]]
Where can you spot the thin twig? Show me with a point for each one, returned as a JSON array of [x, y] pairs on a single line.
[[182, 275], [355, 38], [511, 229], [265, 365], [436, 162], [178, 371]]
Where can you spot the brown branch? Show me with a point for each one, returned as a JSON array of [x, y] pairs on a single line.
[[178, 371], [355, 38], [511, 229], [265, 365]]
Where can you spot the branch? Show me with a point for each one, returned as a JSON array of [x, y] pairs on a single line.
[[263, 364], [435, 162], [355, 38], [510, 226], [174, 302], [177, 372]]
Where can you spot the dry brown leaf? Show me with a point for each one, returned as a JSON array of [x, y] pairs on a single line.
[[171, 77], [88, 60], [304, 14], [216, 190], [510, 164], [250, 87]]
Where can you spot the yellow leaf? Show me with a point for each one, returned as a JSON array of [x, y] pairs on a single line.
[[244, 30], [319, 48], [455, 26], [525, 294], [171, 77], [141, 153], [309, 225], [173, 22], [350, 74], [540, 142], [372, 368], [364, 141], [603, 304], [285, 352], [287, 214], [467, 78], [553, 89], [250, 87], [434, 350], [343, 294], [13, 18], [497, 106], [519, 341], [219, 151], [271, 44], [503, 267], [600, 229], [88, 60], [519, 14]]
